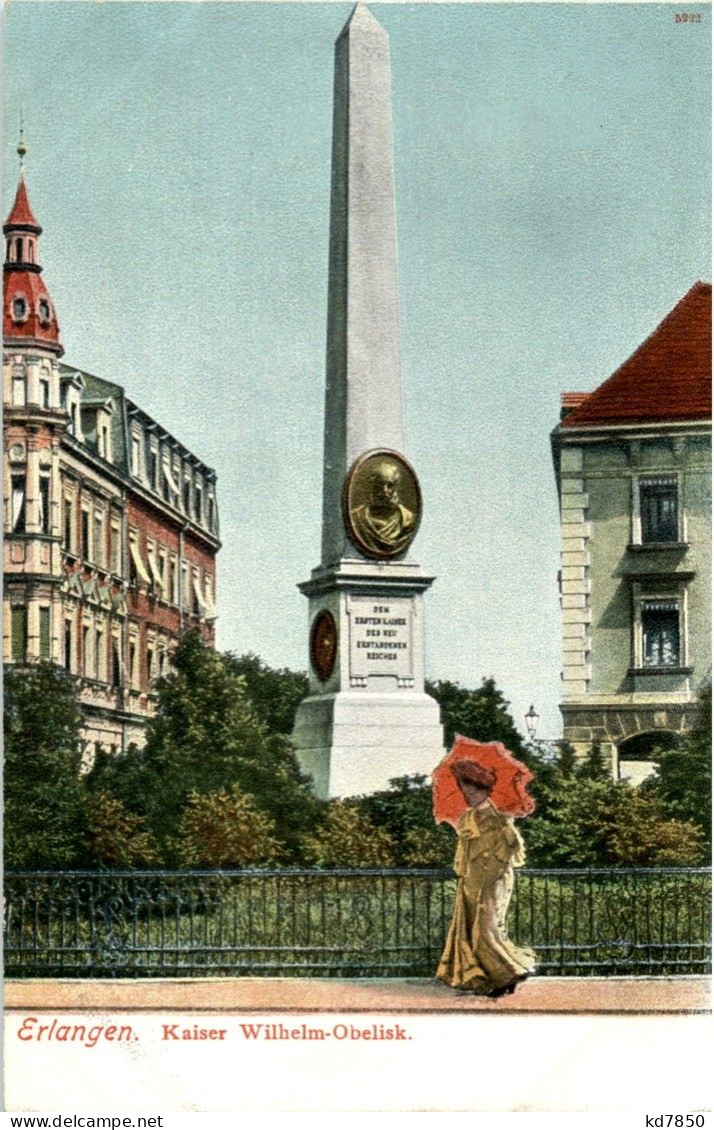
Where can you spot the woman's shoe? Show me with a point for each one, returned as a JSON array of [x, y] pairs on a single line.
[[501, 990]]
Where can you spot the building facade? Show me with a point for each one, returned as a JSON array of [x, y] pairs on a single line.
[[111, 524], [633, 469]]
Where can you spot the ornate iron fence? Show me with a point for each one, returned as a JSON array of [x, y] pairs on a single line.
[[368, 923]]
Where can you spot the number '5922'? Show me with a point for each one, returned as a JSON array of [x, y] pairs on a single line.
[[687, 17]]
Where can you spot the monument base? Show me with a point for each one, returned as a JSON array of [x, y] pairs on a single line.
[[353, 742]]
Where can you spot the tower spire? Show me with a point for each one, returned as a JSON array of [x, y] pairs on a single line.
[[28, 310], [21, 145]]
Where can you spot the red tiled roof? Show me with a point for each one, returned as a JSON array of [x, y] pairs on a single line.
[[667, 378], [21, 213], [29, 285]]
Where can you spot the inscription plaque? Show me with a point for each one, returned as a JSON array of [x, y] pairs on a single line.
[[380, 636]]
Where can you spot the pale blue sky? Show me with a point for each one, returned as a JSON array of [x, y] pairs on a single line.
[[552, 168]]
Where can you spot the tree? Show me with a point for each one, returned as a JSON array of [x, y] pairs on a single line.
[[405, 811], [639, 835], [683, 783], [225, 829], [346, 838], [45, 823], [274, 693], [584, 818], [480, 714], [115, 836], [593, 767], [206, 737]]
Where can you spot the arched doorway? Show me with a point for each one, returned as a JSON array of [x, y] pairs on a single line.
[[635, 755]]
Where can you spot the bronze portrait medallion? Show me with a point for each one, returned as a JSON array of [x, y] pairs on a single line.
[[323, 645], [381, 504]]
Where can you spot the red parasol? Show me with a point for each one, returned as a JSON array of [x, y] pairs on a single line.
[[509, 794]]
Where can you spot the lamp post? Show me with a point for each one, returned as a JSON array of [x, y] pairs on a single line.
[[532, 720], [547, 749]]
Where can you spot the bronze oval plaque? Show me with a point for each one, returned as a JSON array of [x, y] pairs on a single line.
[[323, 645], [381, 504]]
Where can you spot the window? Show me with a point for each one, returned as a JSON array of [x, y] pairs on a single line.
[[18, 389], [660, 633], [44, 504], [17, 503], [198, 503], [137, 561], [150, 659], [133, 669], [196, 595], [185, 594], [44, 392], [19, 309], [18, 250], [187, 495], [19, 634], [171, 582], [135, 455], [211, 513], [44, 308], [99, 653], [44, 633], [73, 418], [116, 549], [153, 465], [116, 663], [99, 539], [658, 510], [68, 525], [85, 650], [68, 645], [85, 535]]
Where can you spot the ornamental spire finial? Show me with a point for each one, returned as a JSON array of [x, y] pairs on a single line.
[[21, 146]]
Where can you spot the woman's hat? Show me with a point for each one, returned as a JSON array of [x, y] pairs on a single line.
[[471, 773]]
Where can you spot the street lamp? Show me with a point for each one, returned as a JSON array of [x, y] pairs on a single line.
[[532, 720], [544, 747]]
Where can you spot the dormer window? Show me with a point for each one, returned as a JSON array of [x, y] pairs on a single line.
[[19, 309], [43, 307]]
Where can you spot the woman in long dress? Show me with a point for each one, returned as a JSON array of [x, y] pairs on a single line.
[[478, 954]]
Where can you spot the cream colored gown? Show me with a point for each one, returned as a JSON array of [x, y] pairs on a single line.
[[478, 954]]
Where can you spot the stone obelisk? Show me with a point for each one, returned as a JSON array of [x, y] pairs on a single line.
[[366, 718]]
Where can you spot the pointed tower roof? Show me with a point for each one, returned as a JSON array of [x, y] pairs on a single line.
[[21, 214], [29, 315], [667, 378]]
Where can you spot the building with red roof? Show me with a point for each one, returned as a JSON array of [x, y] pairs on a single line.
[[633, 468], [111, 524]]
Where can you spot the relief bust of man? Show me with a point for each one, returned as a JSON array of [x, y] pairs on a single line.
[[382, 504]]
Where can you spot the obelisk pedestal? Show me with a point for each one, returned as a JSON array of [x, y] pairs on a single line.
[[367, 718]]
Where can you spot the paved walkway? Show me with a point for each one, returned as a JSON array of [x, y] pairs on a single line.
[[613, 995]]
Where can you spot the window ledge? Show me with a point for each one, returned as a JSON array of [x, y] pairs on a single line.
[[30, 535], [660, 671], [642, 547]]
